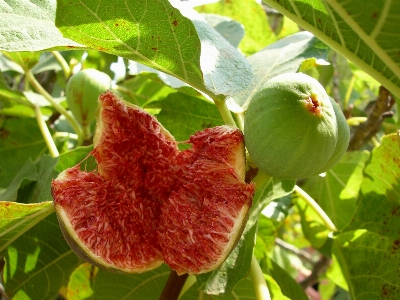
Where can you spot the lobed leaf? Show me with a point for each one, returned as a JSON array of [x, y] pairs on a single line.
[[368, 251], [367, 36], [182, 44]]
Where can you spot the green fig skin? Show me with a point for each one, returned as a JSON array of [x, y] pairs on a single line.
[[343, 138], [82, 92], [287, 135]]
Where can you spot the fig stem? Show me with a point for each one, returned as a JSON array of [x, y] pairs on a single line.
[[314, 205], [225, 112], [64, 65], [257, 276], [38, 87], [45, 132], [173, 286]]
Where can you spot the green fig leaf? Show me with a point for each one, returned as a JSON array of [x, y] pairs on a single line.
[[364, 36]]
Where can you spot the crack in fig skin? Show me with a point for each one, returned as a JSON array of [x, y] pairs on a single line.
[[148, 202]]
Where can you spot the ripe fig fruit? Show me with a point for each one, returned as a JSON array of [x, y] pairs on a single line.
[[83, 90], [343, 138], [149, 202], [291, 129]]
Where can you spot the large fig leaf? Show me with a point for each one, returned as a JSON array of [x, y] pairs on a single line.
[[29, 26], [368, 251], [283, 56], [39, 263], [365, 34], [237, 266], [182, 44]]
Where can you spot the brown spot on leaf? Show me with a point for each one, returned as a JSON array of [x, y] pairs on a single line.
[[374, 15], [175, 22], [154, 48], [4, 133]]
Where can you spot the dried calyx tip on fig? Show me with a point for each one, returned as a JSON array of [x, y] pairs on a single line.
[[292, 128], [148, 202]]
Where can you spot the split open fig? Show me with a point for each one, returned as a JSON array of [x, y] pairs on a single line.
[[148, 202]]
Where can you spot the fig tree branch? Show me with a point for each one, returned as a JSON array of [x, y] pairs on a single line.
[[46, 133], [303, 255], [365, 131], [173, 287], [38, 87], [319, 268]]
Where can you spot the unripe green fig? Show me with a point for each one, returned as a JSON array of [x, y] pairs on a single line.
[[83, 90], [343, 138], [290, 127]]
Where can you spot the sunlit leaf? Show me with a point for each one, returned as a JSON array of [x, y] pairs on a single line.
[[368, 251], [17, 218], [365, 36], [188, 49]]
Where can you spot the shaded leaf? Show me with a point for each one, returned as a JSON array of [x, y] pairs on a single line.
[[40, 190], [39, 262], [20, 139], [27, 60], [148, 285], [183, 115], [283, 56], [237, 265], [27, 172], [288, 286], [72, 158], [365, 36], [17, 218]]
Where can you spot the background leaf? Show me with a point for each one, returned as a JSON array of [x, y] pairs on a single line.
[[283, 56], [20, 139], [39, 262], [16, 219], [337, 191], [365, 36], [237, 265], [368, 251]]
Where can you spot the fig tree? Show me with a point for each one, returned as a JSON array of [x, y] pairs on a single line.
[[291, 128]]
